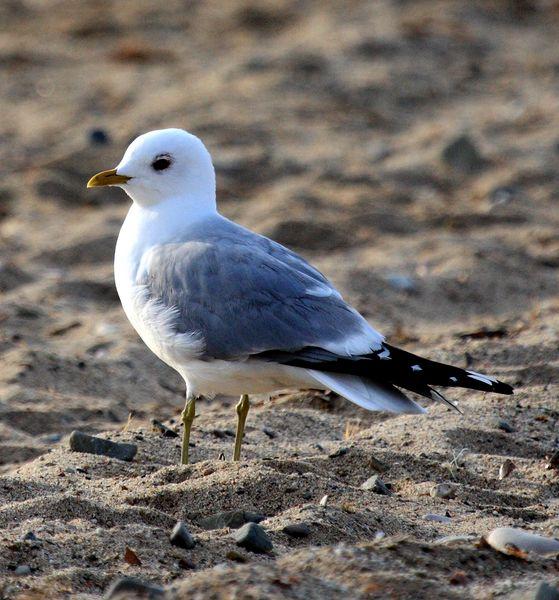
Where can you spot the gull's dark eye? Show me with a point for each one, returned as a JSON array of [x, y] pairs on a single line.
[[161, 163]]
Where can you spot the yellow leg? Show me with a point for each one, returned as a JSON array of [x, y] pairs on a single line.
[[242, 412], [187, 416]]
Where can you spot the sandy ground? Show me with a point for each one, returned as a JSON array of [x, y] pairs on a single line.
[[328, 123]]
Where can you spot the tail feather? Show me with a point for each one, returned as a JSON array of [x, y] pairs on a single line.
[[367, 394]]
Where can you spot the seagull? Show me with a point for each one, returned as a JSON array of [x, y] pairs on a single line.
[[234, 312]]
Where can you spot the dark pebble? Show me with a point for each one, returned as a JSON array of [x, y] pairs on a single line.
[[181, 537], [236, 556], [545, 591], [99, 136], [338, 452], [82, 442], [163, 429], [130, 587], [271, 434], [504, 426], [186, 564], [462, 154], [230, 518], [376, 485], [253, 537], [297, 530]]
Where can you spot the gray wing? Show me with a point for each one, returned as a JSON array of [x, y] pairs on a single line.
[[243, 294]]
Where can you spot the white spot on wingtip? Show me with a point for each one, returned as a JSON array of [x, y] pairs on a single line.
[[453, 379], [480, 377], [385, 354]]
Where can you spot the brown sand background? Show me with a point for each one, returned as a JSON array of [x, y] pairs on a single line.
[[327, 121]]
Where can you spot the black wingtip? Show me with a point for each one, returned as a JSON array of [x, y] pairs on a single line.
[[502, 388]]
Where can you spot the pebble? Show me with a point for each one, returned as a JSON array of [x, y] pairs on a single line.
[[545, 591], [253, 537], [376, 485], [520, 543], [462, 154], [23, 570], [269, 432], [230, 518], [99, 136], [163, 429], [297, 530], [401, 283], [82, 442], [506, 469], [443, 490], [236, 556], [181, 537], [437, 518], [323, 500], [504, 426], [338, 452], [127, 587]]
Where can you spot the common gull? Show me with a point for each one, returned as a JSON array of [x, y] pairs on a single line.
[[237, 313]]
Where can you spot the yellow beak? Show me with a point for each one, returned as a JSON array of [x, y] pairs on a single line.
[[107, 178]]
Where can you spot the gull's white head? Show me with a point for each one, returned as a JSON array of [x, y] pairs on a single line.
[[161, 165]]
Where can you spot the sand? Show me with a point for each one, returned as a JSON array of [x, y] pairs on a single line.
[[328, 123]]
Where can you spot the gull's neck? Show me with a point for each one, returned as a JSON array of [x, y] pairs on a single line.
[[164, 222]]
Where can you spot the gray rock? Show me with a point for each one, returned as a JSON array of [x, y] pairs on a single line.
[[437, 518], [230, 518], [545, 591], [181, 537], [443, 490], [503, 425], [163, 429], [253, 537], [297, 530], [82, 442], [23, 570], [376, 485], [401, 283], [462, 154], [130, 587]]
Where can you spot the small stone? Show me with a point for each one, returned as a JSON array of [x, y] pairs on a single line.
[[338, 452], [99, 136], [23, 570], [443, 490], [82, 442], [553, 461], [458, 577], [401, 283], [323, 500], [236, 556], [376, 485], [462, 154], [437, 518], [297, 530], [253, 537], [127, 587], [230, 518], [506, 469], [131, 557], [271, 434], [29, 537], [163, 429], [504, 426], [186, 564], [181, 537], [521, 543], [545, 591]]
